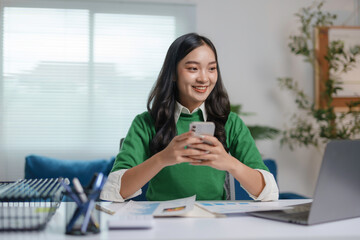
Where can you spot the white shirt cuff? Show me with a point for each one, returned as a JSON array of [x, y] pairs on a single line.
[[270, 191], [111, 190]]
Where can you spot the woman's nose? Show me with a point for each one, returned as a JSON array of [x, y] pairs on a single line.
[[202, 77]]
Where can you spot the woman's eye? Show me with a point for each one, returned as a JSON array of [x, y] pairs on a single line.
[[192, 68], [212, 68]]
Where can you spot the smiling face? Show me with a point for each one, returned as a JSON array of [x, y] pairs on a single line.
[[197, 76]]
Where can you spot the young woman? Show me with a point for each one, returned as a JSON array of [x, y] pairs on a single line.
[[160, 149]]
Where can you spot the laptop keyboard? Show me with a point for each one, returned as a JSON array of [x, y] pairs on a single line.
[[298, 214], [299, 208]]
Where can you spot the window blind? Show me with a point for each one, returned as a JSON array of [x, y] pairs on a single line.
[[74, 75]]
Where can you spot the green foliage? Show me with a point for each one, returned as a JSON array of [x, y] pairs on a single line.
[[312, 126], [238, 109], [263, 132], [309, 18], [257, 132]]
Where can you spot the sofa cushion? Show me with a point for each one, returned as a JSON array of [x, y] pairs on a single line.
[[44, 167]]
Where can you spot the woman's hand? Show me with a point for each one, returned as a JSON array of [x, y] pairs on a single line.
[[179, 150], [213, 155]]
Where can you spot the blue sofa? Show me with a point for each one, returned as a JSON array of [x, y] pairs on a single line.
[[44, 167]]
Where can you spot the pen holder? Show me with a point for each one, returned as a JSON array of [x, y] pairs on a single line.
[[82, 219]]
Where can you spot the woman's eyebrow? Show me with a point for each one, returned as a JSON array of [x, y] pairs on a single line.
[[192, 62], [195, 62]]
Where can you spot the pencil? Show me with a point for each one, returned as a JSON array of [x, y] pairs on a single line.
[[104, 209]]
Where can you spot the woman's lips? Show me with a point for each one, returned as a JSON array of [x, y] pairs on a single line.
[[200, 89]]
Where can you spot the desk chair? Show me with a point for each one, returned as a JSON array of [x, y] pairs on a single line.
[[241, 194]]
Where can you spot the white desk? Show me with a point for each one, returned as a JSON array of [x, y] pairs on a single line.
[[241, 226]]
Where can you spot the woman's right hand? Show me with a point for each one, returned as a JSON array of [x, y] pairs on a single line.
[[178, 150], [136, 177]]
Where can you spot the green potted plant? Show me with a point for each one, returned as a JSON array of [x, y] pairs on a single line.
[[312, 125], [257, 132]]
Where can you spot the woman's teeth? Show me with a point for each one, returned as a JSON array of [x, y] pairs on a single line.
[[201, 88]]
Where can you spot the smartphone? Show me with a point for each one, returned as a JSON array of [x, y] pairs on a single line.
[[203, 128]]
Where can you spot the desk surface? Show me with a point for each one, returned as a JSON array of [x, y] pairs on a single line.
[[239, 226]]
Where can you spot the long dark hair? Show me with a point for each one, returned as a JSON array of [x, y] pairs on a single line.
[[163, 96]]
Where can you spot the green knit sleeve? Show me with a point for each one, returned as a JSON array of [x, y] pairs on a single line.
[[241, 144], [135, 148]]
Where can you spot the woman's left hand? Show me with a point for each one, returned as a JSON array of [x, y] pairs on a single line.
[[214, 154]]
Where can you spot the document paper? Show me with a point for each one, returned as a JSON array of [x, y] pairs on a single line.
[[227, 207], [176, 207]]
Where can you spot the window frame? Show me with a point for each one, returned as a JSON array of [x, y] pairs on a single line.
[[94, 7]]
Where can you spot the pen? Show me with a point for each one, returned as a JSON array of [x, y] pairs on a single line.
[[94, 177], [76, 215], [104, 209], [79, 189], [95, 191], [69, 191]]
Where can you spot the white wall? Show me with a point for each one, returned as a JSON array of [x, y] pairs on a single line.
[[251, 38]]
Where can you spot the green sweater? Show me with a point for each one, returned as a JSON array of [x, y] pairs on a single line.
[[184, 180]]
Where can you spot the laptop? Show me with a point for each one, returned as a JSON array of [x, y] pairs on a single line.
[[337, 192]]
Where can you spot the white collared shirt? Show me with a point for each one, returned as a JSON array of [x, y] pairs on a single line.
[[182, 109], [111, 190]]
